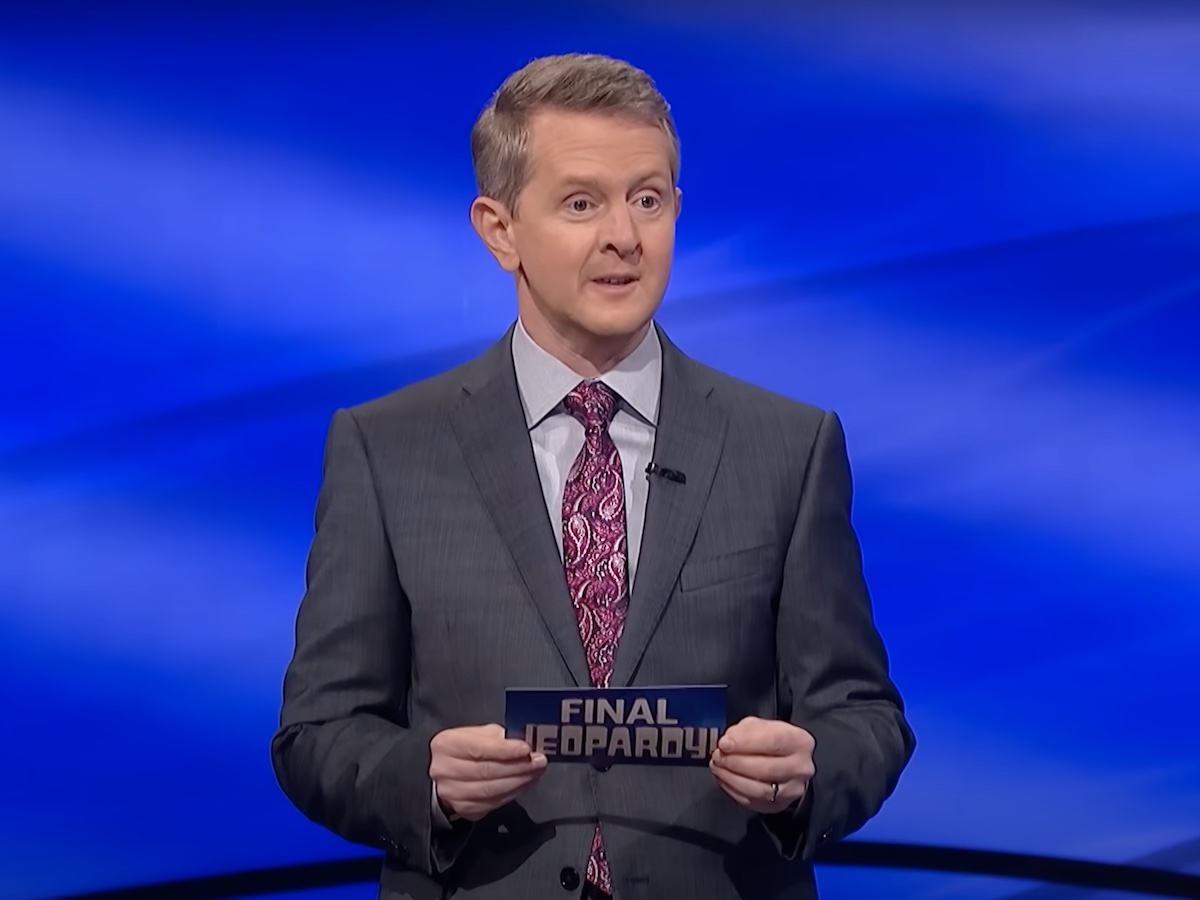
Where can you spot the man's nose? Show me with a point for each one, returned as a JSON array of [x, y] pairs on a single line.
[[620, 233]]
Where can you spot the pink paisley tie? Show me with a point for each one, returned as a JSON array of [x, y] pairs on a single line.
[[594, 552]]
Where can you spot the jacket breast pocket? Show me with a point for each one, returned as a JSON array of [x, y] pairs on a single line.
[[754, 562]]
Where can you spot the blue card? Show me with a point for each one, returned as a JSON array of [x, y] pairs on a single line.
[[658, 726]]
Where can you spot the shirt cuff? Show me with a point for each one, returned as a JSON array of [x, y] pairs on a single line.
[[789, 827], [441, 821]]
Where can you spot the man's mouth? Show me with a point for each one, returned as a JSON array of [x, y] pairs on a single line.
[[615, 280]]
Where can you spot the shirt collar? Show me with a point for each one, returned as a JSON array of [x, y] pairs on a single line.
[[544, 380]]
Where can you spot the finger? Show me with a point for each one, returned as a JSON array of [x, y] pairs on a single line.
[[750, 735], [795, 767], [476, 811], [493, 747], [764, 769], [457, 791], [754, 794], [767, 737], [465, 797], [512, 795], [452, 768], [479, 743], [502, 750], [494, 771], [736, 787], [464, 733]]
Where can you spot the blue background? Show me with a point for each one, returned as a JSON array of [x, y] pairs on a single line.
[[971, 229]]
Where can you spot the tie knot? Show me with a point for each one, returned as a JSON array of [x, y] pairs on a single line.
[[593, 403]]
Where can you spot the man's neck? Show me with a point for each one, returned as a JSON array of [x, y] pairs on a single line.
[[587, 358]]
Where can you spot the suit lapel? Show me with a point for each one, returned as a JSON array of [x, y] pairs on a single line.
[[689, 438], [490, 426]]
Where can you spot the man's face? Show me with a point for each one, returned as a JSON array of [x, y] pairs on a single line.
[[594, 229]]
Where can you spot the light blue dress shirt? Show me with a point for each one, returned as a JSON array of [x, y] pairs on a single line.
[[557, 436]]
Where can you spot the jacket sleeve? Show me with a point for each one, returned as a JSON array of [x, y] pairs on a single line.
[[833, 668], [345, 753]]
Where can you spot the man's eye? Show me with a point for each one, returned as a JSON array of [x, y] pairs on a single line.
[[647, 201], [580, 205]]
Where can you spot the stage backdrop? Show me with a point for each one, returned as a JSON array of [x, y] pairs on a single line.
[[971, 229]]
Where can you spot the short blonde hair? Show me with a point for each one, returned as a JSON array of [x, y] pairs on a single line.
[[576, 82]]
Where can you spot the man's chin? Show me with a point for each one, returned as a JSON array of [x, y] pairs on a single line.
[[616, 322]]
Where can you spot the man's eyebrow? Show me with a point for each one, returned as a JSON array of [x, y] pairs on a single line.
[[580, 181], [583, 181], [652, 175]]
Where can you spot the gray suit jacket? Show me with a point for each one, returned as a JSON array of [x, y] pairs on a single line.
[[434, 582]]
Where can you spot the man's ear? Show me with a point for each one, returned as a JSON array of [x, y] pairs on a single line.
[[678, 201], [492, 221]]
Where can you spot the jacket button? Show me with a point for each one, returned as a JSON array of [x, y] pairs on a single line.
[[601, 766], [568, 878]]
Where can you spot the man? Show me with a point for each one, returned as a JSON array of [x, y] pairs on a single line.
[[506, 524]]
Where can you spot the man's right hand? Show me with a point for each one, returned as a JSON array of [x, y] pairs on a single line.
[[477, 769]]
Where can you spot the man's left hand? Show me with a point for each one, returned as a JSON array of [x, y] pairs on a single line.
[[756, 754]]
